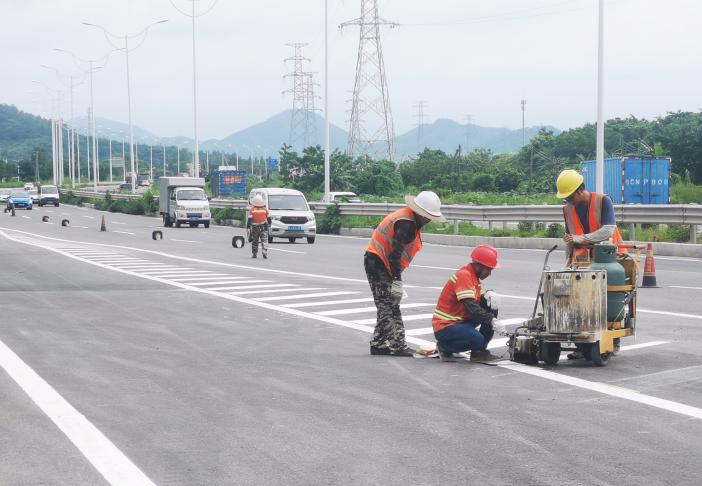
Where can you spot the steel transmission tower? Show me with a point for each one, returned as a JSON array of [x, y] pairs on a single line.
[[303, 129], [371, 132]]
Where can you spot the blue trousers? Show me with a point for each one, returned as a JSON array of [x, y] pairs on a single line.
[[463, 336]]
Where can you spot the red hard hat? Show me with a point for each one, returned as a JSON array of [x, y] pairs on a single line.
[[485, 255]]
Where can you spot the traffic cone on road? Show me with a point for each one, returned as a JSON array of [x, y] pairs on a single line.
[[649, 276], [103, 226]]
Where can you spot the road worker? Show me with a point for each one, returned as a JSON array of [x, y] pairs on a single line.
[[394, 243], [258, 219], [589, 219], [465, 319]]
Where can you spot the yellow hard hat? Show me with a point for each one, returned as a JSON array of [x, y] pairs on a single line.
[[568, 182]]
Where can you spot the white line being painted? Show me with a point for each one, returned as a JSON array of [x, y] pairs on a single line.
[[263, 286], [275, 291], [683, 287], [304, 296], [341, 312], [328, 302], [185, 241], [642, 345], [622, 393], [109, 461]]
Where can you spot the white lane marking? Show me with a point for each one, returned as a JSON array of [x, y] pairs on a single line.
[[220, 282], [276, 291], [117, 222], [341, 312], [683, 287], [642, 345], [305, 296], [124, 232], [666, 313], [435, 268], [208, 276], [172, 273], [76, 226], [605, 389], [185, 241], [328, 302], [26, 217], [89, 217], [408, 332], [109, 461], [264, 286], [287, 251], [330, 320]]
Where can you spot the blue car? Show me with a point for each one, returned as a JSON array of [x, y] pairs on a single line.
[[18, 200]]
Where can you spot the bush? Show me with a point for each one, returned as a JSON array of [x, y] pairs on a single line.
[[330, 222], [678, 233], [555, 230], [525, 226]]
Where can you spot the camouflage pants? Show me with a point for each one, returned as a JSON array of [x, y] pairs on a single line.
[[389, 329], [259, 231]]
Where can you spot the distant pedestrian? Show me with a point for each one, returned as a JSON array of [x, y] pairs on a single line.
[[259, 219], [394, 243]]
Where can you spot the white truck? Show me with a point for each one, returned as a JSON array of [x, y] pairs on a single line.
[[183, 200]]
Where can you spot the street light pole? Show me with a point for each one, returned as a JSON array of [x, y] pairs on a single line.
[[326, 99], [599, 165]]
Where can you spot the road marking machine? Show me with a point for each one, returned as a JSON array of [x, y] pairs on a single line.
[[587, 307]]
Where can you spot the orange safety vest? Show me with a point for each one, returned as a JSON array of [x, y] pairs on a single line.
[[594, 216], [381, 241]]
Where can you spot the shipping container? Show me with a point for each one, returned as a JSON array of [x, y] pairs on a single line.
[[228, 182], [632, 179]]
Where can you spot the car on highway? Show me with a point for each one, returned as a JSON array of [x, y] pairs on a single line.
[[33, 195], [291, 216], [48, 194], [19, 199], [28, 186], [4, 194]]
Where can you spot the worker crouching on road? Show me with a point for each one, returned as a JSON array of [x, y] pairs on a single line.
[[459, 312], [260, 217], [394, 243]]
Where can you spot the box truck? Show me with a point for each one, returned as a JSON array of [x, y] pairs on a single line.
[[182, 200]]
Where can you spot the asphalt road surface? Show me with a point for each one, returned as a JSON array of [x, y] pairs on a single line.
[[183, 361]]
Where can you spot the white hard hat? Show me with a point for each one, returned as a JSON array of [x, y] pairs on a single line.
[[426, 204], [258, 200]]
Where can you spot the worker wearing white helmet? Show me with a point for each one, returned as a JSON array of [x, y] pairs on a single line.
[[394, 243], [259, 219]]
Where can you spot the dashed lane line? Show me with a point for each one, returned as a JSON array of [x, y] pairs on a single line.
[[341, 312], [305, 296], [274, 291], [328, 302]]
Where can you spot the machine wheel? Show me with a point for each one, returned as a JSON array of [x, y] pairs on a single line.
[[597, 358], [550, 353], [270, 239], [310, 239], [206, 224], [291, 239]]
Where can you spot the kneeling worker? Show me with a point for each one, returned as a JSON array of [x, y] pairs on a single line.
[[459, 314]]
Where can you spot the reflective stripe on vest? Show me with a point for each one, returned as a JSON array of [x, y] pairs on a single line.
[[594, 217], [381, 241]]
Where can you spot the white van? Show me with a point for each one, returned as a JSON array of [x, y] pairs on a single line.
[[291, 217]]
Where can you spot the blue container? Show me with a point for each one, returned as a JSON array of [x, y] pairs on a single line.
[[227, 183], [632, 180]]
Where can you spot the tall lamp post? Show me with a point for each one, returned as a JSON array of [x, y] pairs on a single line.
[[109, 36]]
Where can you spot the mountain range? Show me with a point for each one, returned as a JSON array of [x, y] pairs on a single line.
[[268, 135]]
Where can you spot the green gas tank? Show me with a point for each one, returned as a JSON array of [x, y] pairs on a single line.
[[606, 259]]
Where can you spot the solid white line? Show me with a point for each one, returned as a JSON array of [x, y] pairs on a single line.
[[208, 276], [276, 291], [184, 241], [328, 302], [408, 332], [264, 286], [340, 312], [305, 296], [89, 217], [123, 232], [683, 287], [109, 461], [666, 313], [76, 226], [287, 251], [676, 407], [642, 345], [220, 282]]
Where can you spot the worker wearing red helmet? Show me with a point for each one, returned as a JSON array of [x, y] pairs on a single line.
[[460, 321]]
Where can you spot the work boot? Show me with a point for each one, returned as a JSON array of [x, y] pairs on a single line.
[[376, 351], [445, 355], [253, 255], [265, 256], [483, 355], [577, 354], [404, 351]]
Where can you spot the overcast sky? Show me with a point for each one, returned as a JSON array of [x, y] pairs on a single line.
[[460, 57]]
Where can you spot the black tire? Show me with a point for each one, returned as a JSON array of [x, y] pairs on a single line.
[[29, 209], [177, 224], [57, 204], [206, 224], [310, 239], [270, 239], [291, 239], [598, 359], [550, 353]]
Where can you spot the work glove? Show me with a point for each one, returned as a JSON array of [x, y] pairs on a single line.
[[498, 327], [492, 300], [396, 291]]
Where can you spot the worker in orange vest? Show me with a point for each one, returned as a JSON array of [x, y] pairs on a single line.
[[394, 243], [259, 219], [589, 219]]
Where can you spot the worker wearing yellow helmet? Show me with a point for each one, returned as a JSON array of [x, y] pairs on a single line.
[[589, 219]]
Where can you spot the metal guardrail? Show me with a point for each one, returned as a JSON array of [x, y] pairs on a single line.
[[625, 213]]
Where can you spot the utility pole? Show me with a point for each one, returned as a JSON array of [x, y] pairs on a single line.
[[469, 119], [371, 132], [420, 125], [523, 126]]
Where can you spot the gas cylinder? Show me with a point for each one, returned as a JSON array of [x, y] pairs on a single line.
[[606, 259]]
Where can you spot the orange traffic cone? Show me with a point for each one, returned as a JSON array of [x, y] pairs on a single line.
[[103, 226], [649, 276]]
